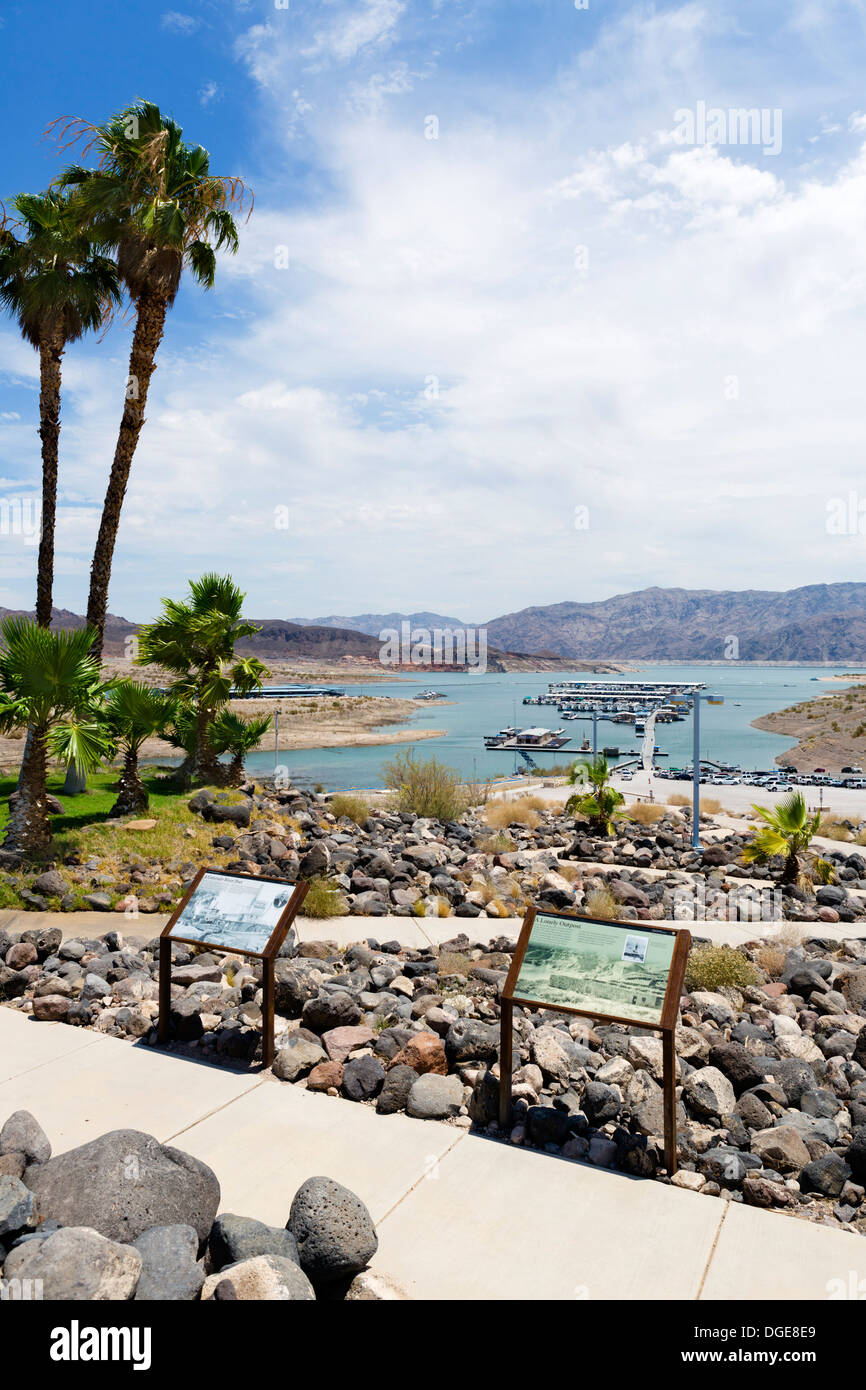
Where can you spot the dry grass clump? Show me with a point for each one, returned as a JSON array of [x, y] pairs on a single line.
[[453, 963], [645, 812], [600, 902], [790, 934], [832, 828], [771, 960], [522, 811], [711, 806], [677, 799], [569, 871], [713, 967], [354, 808], [499, 842], [324, 899]]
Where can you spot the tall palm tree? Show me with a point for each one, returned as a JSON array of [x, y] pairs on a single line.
[[195, 640], [231, 733], [154, 199], [788, 831], [134, 712], [49, 682], [58, 286], [599, 801]]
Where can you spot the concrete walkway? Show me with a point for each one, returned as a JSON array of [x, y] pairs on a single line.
[[459, 1216], [410, 931]]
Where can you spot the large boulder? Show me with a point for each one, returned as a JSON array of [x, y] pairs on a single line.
[[334, 1231], [170, 1272], [77, 1265], [19, 1208], [856, 1154], [335, 1010], [234, 1239], [23, 1134], [298, 1056], [709, 1092], [125, 1182], [435, 1097]]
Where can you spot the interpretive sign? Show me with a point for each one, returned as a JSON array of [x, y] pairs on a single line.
[[616, 972], [238, 913]]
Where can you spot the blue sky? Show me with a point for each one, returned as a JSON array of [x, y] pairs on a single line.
[[533, 341]]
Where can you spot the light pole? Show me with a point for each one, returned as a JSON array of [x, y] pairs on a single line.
[[594, 732], [696, 761]]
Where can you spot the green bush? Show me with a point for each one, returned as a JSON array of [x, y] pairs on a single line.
[[425, 787], [712, 967]]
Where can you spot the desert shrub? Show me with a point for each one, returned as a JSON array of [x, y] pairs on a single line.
[[860, 837], [425, 787], [711, 806], [712, 967], [498, 842], [522, 811], [600, 902], [645, 812], [355, 808], [677, 799], [771, 960], [324, 899]]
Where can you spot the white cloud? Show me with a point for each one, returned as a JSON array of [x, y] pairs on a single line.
[[209, 93], [179, 23], [434, 384]]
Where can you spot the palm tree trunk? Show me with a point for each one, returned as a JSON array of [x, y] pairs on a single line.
[[132, 791], [28, 827], [149, 327], [206, 766], [50, 354]]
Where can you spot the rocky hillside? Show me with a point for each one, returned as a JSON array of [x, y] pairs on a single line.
[[821, 622]]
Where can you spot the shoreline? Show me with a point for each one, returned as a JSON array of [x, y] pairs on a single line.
[[830, 730]]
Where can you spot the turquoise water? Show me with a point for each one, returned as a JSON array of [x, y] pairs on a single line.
[[482, 704]]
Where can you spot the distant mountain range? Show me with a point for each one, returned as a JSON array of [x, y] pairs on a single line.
[[820, 622]]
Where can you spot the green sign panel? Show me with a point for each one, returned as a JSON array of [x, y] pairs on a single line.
[[618, 969]]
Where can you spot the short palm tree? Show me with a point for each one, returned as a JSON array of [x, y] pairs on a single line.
[[152, 198], [134, 712], [58, 286], [599, 801], [49, 683], [231, 733], [788, 831], [195, 640]]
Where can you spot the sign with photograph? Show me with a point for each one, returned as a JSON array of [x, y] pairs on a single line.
[[231, 912], [629, 972]]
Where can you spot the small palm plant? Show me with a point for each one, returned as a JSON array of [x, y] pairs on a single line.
[[49, 683], [134, 712], [599, 801], [788, 832], [231, 733], [195, 640]]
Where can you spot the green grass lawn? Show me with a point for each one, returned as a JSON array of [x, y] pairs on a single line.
[[94, 805]]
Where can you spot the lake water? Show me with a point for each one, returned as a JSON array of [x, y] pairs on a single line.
[[482, 704]]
